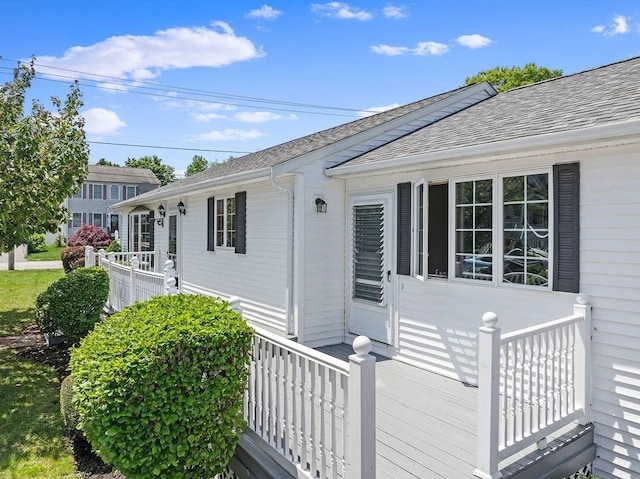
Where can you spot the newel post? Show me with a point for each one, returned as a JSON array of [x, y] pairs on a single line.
[[169, 278], [488, 398], [362, 411], [88, 256], [135, 264], [101, 256], [582, 362]]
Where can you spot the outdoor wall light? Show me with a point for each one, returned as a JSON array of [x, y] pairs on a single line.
[[182, 209], [161, 210], [321, 205]]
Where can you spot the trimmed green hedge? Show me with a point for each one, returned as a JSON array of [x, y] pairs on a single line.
[[67, 411], [73, 304], [159, 386]]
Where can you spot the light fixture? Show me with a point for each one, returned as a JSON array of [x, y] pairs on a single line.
[[321, 205], [161, 210], [182, 209], [159, 221]]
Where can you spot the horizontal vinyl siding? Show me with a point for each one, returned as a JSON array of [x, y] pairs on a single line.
[[610, 232], [258, 278]]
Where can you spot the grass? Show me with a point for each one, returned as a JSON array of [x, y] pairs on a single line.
[[52, 254], [32, 441], [19, 292]]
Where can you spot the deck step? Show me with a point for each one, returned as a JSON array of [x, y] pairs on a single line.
[[255, 459], [561, 458]]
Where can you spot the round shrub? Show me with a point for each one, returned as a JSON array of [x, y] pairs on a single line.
[[90, 235], [36, 243], [159, 386], [72, 305], [72, 258], [67, 410], [114, 247]]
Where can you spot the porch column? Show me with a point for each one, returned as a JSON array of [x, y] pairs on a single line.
[[582, 362], [362, 411], [488, 398]]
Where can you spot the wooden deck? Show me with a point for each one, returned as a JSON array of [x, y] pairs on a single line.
[[426, 423]]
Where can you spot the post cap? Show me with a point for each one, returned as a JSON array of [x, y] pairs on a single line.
[[362, 345], [489, 319]]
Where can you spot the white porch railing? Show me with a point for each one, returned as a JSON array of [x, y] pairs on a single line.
[[146, 259], [532, 383]]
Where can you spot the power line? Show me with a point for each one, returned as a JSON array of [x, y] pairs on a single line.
[[167, 147]]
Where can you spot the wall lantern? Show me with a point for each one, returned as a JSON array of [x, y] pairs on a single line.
[[321, 205], [182, 209], [161, 210]]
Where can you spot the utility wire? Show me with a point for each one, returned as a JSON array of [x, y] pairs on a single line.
[[167, 147]]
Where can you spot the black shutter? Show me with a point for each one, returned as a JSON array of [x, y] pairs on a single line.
[[152, 232], [104, 192], [241, 222], [124, 192], [84, 191], [566, 264], [91, 191], [404, 228], [211, 224]]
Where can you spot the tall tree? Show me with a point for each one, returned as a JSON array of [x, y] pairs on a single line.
[[165, 173], [198, 164], [103, 162], [44, 159], [506, 78]]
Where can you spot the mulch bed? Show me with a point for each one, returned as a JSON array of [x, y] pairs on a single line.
[[31, 345]]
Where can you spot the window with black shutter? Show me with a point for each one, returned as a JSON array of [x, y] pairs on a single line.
[[566, 275]]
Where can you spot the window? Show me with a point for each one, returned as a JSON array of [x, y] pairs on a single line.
[[419, 230], [140, 232], [77, 194], [130, 192], [97, 219], [114, 224], [226, 227], [438, 230], [76, 221], [97, 192], [114, 192], [473, 230]]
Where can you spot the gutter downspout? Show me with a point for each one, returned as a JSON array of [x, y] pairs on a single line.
[[291, 327]]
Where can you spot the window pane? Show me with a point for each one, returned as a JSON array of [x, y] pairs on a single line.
[[464, 193], [77, 220], [231, 222], [513, 188], [420, 231], [219, 222], [483, 191], [483, 217], [513, 216], [115, 192], [537, 187], [97, 192], [97, 219], [464, 218], [131, 191]]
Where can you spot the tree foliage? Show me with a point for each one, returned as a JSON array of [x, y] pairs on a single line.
[[165, 173], [198, 164], [44, 159], [506, 78], [104, 162]]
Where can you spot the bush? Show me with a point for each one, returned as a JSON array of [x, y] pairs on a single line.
[[73, 304], [72, 258], [36, 243], [59, 241], [159, 386], [90, 235], [68, 412], [114, 246]]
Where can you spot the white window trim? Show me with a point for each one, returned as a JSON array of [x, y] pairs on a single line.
[[111, 195], [127, 191], [498, 229], [415, 223], [93, 191], [223, 246]]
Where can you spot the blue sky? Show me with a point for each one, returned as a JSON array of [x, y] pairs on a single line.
[[218, 78]]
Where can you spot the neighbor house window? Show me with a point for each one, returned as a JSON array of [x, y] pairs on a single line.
[[130, 192], [114, 223], [97, 219], [474, 229], [97, 192], [77, 194], [76, 221], [114, 192]]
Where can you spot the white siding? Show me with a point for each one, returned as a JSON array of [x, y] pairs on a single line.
[[610, 247], [258, 277]]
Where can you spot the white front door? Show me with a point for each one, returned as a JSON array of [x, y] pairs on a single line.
[[371, 275]]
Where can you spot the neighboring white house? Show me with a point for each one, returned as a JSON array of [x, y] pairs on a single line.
[[103, 187], [408, 225]]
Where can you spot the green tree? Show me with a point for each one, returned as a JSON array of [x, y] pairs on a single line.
[[198, 164], [506, 78], [165, 173], [44, 159], [103, 162]]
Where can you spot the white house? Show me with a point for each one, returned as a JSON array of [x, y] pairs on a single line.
[[408, 225]]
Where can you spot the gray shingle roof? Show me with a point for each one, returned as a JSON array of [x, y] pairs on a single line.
[[121, 174], [290, 150], [603, 95]]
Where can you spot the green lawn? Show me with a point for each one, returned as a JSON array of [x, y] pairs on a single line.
[[19, 292], [32, 442], [52, 254]]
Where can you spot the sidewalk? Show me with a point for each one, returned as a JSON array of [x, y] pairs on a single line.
[[22, 265]]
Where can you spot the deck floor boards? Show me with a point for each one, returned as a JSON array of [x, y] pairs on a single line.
[[426, 423]]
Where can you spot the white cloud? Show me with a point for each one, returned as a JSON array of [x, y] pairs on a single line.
[[144, 57], [207, 117], [228, 135], [265, 12], [394, 12], [340, 10], [99, 121], [619, 25], [256, 116], [473, 41], [376, 109], [421, 49]]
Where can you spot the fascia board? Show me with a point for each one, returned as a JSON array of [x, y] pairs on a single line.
[[614, 133]]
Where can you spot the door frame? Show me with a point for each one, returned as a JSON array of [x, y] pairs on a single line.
[[388, 199]]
